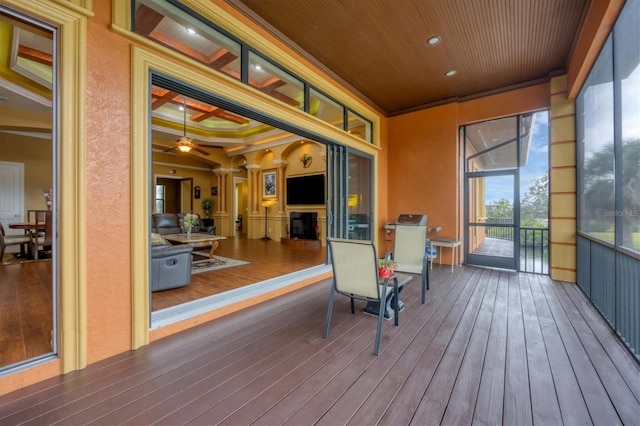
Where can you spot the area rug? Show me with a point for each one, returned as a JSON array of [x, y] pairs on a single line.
[[219, 262], [13, 259]]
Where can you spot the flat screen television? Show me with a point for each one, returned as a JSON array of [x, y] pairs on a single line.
[[307, 189]]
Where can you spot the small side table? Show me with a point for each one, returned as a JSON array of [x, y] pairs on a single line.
[[448, 242], [373, 308]]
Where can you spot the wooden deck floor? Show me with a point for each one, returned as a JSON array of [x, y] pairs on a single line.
[[489, 347]]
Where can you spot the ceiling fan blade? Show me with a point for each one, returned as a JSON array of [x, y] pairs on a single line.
[[169, 149], [201, 151]]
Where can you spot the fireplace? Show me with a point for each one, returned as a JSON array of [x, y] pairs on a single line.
[[303, 225]]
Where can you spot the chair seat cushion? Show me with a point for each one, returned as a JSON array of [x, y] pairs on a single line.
[[16, 239]]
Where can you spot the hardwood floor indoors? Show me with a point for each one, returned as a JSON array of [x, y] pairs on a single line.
[[268, 259], [488, 347], [26, 311]]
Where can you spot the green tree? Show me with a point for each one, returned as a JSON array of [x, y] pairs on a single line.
[[501, 208], [534, 208], [599, 193]]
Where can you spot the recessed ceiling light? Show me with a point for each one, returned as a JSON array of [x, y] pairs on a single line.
[[257, 67], [191, 31], [433, 40], [451, 73]]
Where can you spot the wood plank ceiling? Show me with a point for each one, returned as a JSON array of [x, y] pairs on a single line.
[[379, 47]]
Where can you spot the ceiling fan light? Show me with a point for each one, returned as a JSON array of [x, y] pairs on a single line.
[[184, 144]]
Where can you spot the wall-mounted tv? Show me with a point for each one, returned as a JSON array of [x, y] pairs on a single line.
[[307, 189]]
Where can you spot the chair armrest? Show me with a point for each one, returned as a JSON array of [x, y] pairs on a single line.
[[170, 250]]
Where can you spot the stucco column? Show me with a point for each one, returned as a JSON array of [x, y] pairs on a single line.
[[281, 166], [221, 192], [562, 186], [223, 178], [254, 188]]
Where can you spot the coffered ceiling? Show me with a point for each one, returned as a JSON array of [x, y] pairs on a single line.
[[379, 47]]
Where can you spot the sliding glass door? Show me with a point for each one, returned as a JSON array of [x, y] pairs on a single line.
[[350, 204], [29, 191]]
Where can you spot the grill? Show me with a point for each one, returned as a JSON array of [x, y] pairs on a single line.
[[412, 219], [407, 219]]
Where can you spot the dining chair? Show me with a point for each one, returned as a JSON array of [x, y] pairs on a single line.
[[409, 252], [355, 275], [43, 239], [35, 216], [13, 240]]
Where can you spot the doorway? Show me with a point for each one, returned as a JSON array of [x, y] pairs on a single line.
[[240, 209], [11, 193], [506, 193]]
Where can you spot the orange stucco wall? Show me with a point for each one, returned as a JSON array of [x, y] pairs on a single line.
[[423, 166], [108, 183], [108, 207], [526, 99], [425, 171]]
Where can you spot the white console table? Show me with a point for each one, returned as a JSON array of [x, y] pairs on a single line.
[[448, 242]]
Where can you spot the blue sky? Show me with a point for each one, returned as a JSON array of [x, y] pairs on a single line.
[[537, 165]]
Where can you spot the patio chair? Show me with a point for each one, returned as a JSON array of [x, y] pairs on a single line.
[[409, 252], [12, 240], [355, 275]]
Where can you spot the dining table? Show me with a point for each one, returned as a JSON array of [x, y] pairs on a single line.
[[31, 227]]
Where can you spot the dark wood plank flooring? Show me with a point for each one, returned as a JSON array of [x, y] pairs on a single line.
[[488, 347]]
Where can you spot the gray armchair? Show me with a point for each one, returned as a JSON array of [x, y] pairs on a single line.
[[170, 265]]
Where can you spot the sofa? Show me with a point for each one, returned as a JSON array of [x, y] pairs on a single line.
[[169, 223], [170, 264]]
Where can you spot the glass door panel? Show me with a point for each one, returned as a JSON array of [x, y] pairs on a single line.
[[29, 192], [349, 183], [359, 202]]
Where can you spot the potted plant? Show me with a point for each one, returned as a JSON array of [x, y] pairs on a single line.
[[386, 267], [207, 205]]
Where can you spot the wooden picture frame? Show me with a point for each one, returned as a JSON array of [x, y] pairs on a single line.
[[270, 183]]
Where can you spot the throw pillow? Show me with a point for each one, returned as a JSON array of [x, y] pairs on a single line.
[[157, 240]]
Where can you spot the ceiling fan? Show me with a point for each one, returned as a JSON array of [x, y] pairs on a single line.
[[185, 144]]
